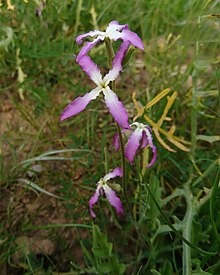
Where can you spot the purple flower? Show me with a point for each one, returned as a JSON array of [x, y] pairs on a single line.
[[102, 187], [115, 106], [114, 31], [141, 133]]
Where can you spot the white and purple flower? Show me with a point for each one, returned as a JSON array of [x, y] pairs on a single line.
[[114, 31], [115, 106], [142, 133], [102, 187]]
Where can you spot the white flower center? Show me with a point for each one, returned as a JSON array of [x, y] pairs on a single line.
[[139, 125], [102, 182], [103, 84]]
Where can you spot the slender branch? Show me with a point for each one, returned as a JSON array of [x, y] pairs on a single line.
[[110, 52], [124, 170], [187, 229]]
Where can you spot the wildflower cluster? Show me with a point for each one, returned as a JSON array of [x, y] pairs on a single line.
[[142, 133]]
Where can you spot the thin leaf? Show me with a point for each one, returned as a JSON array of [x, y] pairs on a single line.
[[38, 188], [211, 205], [209, 139]]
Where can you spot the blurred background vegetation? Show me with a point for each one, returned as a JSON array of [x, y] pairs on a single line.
[[48, 169]]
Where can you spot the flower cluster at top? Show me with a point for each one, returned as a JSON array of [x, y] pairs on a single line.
[[113, 32]]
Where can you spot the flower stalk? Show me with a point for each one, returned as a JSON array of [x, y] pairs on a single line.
[[106, 85], [110, 54]]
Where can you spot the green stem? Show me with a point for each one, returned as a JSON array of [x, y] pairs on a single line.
[[110, 52], [212, 204], [124, 170], [194, 102], [78, 12], [187, 229], [194, 115]]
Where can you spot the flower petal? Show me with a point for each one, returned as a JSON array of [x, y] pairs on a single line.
[[79, 104], [144, 140], [153, 147], [133, 144], [85, 49], [94, 200], [90, 68], [117, 172], [113, 31], [80, 37], [116, 108], [114, 25], [116, 143], [113, 199], [133, 38], [117, 63]]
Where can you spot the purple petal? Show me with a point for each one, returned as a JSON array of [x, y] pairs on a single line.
[[116, 108], [116, 143], [150, 130], [133, 144], [79, 104], [133, 38], [117, 172], [94, 200], [90, 68], [144, 140], [154, 149], [80, 37], [117, 63], [113, 31], [117, 26], [85, 49], [113, 199]]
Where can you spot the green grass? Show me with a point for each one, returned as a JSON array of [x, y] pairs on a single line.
[[46, 227]]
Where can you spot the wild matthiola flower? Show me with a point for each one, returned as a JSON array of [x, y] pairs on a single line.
[[114, 31], [115, 106], [141, 133], [102, 187]]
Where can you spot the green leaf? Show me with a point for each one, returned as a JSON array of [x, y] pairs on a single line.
[[104, 268], [87, 255], [118, 268], [5, 41], [203, 64], [102, 252], [101, 248], [107, 262], [154, 272], [199, 271], [167, 268], [128, 56], [209, 139], [156, 190], [37, 187]]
